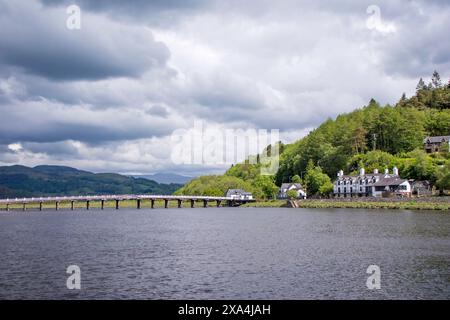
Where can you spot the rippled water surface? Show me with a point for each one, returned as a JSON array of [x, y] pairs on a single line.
[[230, 253]]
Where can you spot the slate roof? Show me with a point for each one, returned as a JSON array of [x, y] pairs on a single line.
[[436, 139], [237, 191], [393, 181], [288, 185]]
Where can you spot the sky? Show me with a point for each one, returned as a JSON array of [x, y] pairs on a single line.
[[106, 90]]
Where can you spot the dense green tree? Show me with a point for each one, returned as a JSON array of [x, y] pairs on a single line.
[[292, 194], [326, 188], [316, 181], [443, 181], [267, 186]]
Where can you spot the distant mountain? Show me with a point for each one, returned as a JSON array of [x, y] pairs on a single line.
[[166, 178], [22, 181]]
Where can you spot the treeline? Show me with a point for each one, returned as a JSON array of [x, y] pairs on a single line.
[[373, 136]]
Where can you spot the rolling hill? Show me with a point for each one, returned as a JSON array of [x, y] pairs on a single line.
[[22, 181]]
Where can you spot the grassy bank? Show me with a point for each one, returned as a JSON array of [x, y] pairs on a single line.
[[266, 204], [311, 203], [410, 205]]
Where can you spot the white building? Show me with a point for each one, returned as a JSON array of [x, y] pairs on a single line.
[[285, 187], [239, 194], [371, 185]]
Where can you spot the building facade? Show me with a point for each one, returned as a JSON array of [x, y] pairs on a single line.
[[435, 144], [371, 185], [285, 187], [239, 194]]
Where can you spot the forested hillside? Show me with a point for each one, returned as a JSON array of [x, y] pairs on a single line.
[[373, 136], [21, 181]]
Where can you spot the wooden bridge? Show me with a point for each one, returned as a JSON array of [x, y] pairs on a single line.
[[228, 201]]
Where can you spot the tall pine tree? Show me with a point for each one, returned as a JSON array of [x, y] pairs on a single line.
[[436, 80], [421, 85]]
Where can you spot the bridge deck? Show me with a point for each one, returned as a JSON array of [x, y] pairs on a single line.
[[120, 198]]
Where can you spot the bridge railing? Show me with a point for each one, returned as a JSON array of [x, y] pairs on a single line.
[[119, 197]]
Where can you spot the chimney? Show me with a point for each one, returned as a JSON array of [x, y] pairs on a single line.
[[395, 171], [361, 172], [340, 173], [375, 171], [386, 171]]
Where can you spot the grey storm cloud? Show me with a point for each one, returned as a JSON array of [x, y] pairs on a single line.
[[40, 43], [155, 12], [131, 6]]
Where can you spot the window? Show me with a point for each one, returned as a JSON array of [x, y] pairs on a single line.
[[339, 190]]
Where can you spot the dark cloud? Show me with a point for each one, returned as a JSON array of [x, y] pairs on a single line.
[[132, 6], [100, 49], [44, 122], [156, 12], [59, 149], [159, 111]]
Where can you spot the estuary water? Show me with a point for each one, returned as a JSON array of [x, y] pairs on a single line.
[[225, 253]]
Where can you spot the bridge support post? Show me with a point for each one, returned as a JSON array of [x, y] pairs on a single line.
[[40, 206], [218, 203], [102, 205], [7, 207], [117, 204], [71, 205], [56, 205], [152, 203], [166, 203], [205, 203], [192, 203], [138, 203], [179, 203], [87, 204], [24, 206]]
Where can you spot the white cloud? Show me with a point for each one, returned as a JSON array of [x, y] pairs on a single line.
[[15, 147]]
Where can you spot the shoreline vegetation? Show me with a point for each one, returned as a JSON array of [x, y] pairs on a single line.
[[437, 203]]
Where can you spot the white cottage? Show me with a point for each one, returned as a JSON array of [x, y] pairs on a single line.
[[285, 187], [238, 194]]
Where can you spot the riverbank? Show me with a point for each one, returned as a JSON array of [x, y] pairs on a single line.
[[435, 203]]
